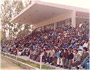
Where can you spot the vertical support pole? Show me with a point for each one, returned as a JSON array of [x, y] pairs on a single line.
[[16, 53], [74, 19], [54, 26], [41, 62]]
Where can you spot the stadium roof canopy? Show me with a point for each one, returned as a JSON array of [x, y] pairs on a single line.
[[39, 11]]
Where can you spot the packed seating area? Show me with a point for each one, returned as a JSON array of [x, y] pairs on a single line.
[[65, 47]]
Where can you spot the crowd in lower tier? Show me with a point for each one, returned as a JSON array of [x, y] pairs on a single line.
[[65, 47]]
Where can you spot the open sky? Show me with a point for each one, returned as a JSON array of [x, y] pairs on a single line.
[[78, 3]]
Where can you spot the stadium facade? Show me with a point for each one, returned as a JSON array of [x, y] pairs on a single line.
[[44, 15]]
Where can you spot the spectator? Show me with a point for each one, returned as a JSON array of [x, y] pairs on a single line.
[[76, 58], [61, 58], [58, 56], [85, 54], [65, 57], [85, 44], [85, 63], [52, 51], [69, 59], [44, 57], [67, 38]]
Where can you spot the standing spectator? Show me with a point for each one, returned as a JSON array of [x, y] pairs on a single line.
[[58, 56], [44, 56], [76, 58], [65, 57], [84, 55], [52, 52], [61, 58], [69, 59]]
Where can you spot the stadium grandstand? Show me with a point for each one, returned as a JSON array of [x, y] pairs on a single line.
[[61, 35]]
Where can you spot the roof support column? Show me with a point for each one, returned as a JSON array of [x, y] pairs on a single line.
[[73, 19], [42, 28], [55, 26]]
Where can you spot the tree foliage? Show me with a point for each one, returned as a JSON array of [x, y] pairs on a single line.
[[9, 9]]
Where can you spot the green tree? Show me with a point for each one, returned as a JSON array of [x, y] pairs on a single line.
[[10, 9], [5, 16], [27, 2]]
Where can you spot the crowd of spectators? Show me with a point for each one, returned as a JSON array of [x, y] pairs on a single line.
[[65, 47]]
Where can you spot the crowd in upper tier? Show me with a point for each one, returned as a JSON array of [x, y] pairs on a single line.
[[65, 47]]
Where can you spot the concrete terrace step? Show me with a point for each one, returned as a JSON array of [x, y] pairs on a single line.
[[27, 58]]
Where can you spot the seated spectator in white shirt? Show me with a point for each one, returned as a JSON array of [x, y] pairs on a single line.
[[85, 44]]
